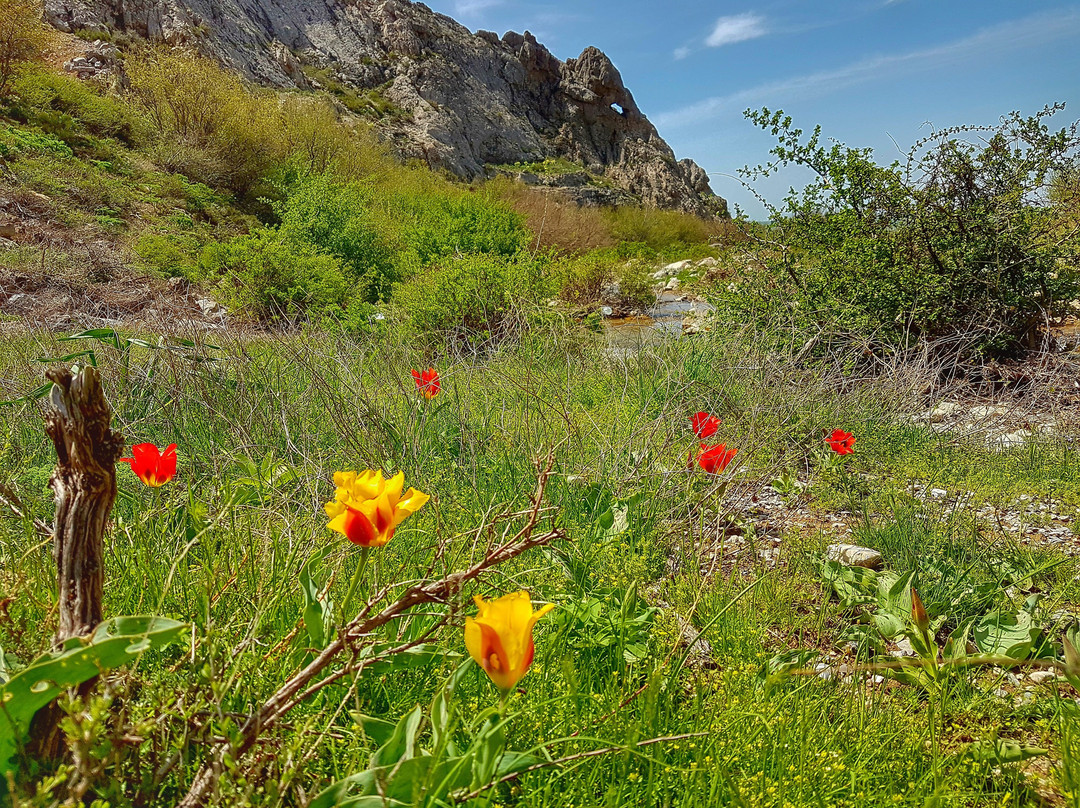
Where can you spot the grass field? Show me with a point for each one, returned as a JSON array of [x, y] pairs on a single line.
[[656, 557]]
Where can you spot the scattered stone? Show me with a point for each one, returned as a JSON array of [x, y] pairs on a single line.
[[175, 283], [984, 412], [942, 411], [700, 651], [672, 285], [210, 308], [607, 311], [1042, 677], [708, 262], [1009, 440], [904, 648], [678, 266], [851, 555]]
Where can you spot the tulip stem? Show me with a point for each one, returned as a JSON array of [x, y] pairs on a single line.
[[355, 582]]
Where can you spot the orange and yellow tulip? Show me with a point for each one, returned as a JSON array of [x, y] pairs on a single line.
[[367, 509], [500, 639]]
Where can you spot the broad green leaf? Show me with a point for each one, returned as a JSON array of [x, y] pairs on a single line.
[[1005, 633], [113, 643], [1000, 750], [401, 742]]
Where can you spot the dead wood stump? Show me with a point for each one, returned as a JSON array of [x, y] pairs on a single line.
[[78, 420]]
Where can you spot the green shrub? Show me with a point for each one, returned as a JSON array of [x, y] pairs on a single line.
[[23, 38], [477, 297], [15, 140], [435, 225], [172, 254], [321, 213], [263, 274], [84, 102], [959, 243]]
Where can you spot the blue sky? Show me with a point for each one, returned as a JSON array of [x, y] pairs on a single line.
[[873, 73]]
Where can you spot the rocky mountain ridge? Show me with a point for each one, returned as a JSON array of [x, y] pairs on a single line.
[[461, 102]]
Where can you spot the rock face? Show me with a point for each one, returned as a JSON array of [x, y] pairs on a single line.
[[464, 101]]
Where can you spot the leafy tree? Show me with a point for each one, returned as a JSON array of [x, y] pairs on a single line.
[[960, 240]]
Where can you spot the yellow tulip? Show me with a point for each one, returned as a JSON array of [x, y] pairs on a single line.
[[500, 637], [367, 509]]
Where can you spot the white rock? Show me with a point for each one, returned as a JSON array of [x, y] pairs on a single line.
[[851, 555], [904, 647], [678, 266], [1039, 677], [1009, 440], [209, 307], [982, 412], [607, 311], [672, 285], [942, 411], [708, 262]]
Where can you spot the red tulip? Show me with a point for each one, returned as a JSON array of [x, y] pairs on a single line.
[[841, 442], [714, 459], [704, 425], [151, 466], [427, 382]]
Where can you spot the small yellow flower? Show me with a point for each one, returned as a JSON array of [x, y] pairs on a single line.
[[500, 637], [367, 508]]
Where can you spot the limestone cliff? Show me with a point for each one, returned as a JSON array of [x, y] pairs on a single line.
[[463, 102]]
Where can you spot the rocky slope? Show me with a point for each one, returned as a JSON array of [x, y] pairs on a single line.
[[460, 101]]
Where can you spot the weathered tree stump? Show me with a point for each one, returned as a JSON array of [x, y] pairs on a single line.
[[78, 420]]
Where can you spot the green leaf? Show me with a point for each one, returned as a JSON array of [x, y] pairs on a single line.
[[316, 609], [401, 744], [108, 336], [33, 395], [1000, 750], [778, 670], [89, 354], [113, 643], [1006, 634], [378, 729]]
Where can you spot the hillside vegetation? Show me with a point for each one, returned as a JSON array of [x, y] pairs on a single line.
[[607, 575]]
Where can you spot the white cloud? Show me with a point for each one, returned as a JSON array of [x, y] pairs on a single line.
[[1025, 33], [736, 28], [470, 8], [682, 53]]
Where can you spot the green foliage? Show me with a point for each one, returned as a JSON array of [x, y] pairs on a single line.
[[85, 105], [15, 140], [113, 643], [478, 297], [453, 222], [23, 38], [272, 278], [325, 215], [957, 242], [400, 773]]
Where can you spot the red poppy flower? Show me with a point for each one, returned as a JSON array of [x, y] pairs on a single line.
[[704, 425], [151, 466], [841, 442], [427, 382], [714, 459]]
